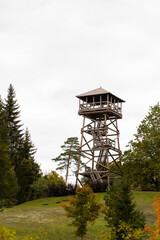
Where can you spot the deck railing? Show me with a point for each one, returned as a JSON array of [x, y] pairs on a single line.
[[101, 105]]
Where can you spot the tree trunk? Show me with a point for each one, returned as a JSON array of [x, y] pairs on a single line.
[[69, 157], [67, 169]]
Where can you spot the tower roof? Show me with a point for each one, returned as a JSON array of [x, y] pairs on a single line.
[[97, 91]]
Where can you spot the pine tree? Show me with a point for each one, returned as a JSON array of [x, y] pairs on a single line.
[[8, 180], [69, 157]]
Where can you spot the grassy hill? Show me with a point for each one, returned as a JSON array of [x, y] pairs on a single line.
[[46, 215]]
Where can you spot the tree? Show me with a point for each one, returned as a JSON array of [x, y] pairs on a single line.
[[142, 159], [28, 172], [69, 157], [15, 133], [120, 208], [8, 182], [28, 149], [83, 209], [21, 148]]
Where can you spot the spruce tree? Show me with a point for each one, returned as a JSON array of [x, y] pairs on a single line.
[[21, 148], [8, 180], [28, 170], [28, 148], [15, 127], [120, 208]]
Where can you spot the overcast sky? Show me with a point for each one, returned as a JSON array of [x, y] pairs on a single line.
[[53, 50]]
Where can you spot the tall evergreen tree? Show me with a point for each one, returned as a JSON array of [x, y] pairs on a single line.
[[28, 170], [28, 149], [21, 148], [8, 180], [120, 208], [69, 157], [15, 127]]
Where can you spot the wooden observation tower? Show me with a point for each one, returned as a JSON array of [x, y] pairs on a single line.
[[99, 146]]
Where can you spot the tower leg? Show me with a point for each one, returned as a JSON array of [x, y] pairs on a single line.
[[79, 159]]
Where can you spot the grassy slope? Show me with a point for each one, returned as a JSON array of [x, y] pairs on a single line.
[[32, 217]]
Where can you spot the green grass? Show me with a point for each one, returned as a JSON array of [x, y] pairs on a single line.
[[47, 215]]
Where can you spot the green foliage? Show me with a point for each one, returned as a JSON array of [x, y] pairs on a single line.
[[2, 204], [39, 187], [14, 126], [48, 185], [28, 172], [28, 148], [121, 208], [141, 162], [18, 154], [128, 233], [83, 209], [7, 234], [11, 188], [54, 179], [8, 182], [69, 157]]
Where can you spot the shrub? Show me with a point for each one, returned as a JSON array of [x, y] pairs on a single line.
[[39, 187], [129, 233], [51, 185], [7, 234]]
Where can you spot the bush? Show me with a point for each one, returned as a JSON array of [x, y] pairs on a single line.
[[51, 185], [40, 187], [7, 234]]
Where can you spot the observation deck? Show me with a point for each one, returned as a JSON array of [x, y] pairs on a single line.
[[96, 103]]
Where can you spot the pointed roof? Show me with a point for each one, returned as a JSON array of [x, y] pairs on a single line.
[[97, 91]]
